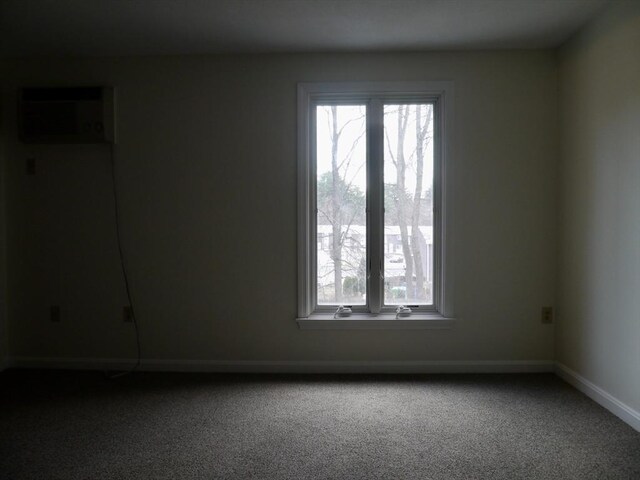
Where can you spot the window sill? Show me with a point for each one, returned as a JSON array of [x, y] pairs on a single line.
[[376, 322]]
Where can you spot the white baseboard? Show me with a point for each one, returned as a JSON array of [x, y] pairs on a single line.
[[597, 394], [303, 366]]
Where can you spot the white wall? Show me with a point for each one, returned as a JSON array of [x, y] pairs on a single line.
[[207, 181], [598, 332], [4, 340]]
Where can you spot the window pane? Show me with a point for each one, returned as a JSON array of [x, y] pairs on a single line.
[[408, 204], [341, 218]]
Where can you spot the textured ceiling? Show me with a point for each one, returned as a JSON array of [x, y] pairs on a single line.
[[142, 27]]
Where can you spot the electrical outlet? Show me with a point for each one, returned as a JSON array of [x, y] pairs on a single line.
[[547, 315], [31, 166], [127, 314], [54, 313]]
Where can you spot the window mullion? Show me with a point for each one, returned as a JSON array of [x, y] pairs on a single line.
[[375, 199]]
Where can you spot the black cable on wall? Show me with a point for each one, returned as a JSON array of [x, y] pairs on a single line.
[[123, 267]]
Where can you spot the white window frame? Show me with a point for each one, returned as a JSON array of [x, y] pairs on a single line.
[[374, 95]]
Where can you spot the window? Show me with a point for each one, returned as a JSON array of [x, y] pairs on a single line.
[[372, 197]]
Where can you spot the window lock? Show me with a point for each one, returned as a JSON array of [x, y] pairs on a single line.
[[402, 310], [343, 311]]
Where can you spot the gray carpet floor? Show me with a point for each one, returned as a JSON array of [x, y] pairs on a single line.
[[79, 425]]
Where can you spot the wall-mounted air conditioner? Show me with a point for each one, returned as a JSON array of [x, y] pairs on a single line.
[[66, 115]]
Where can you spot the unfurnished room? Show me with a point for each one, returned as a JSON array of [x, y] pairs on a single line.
[[320, 239]]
